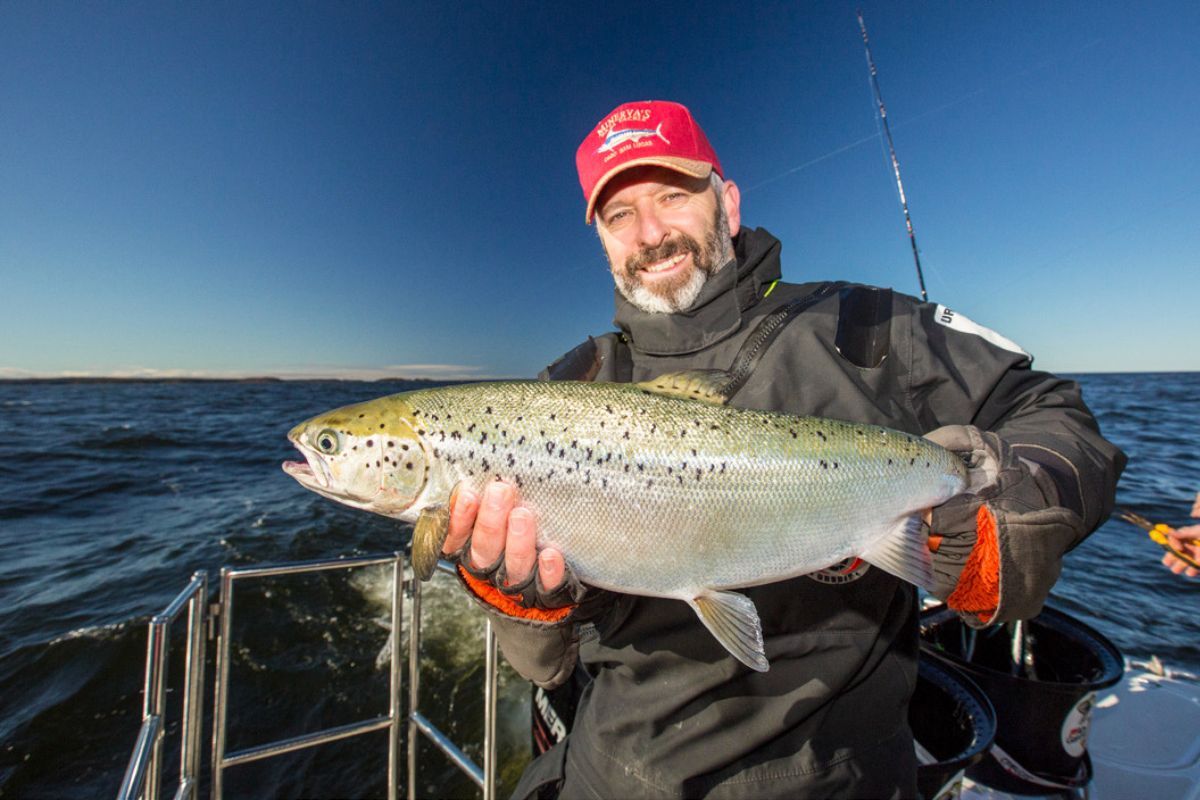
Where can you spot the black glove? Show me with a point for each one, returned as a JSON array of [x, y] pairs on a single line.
[[999, 545], [528, 601]]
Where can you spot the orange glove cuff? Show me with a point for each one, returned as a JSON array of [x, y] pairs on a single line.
[[507, 605], [978, 589]]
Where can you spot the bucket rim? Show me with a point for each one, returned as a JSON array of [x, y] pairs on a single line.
[[1111, 661]]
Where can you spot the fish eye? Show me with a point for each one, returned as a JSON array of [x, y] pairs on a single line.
[[327, 441]]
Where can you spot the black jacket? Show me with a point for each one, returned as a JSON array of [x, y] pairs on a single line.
[[669, 712]]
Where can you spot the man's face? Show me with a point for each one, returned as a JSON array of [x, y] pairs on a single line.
[[665, 233]]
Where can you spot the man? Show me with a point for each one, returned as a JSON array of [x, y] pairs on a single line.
[[669, 713]]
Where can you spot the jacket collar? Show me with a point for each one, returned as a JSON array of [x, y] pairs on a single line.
[[718, 310]]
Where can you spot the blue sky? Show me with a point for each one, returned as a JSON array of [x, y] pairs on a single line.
[[361, 189]]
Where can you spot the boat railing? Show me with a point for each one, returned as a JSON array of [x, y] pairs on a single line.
[[143, 775]]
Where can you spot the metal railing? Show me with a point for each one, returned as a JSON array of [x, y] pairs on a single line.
[[143, 776]]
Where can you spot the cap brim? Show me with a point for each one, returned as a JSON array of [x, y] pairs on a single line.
[[689, 167]]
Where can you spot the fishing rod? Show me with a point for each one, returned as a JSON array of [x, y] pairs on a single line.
[[892, 149]]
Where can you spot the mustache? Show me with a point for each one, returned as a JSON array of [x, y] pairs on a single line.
[[682, 243]]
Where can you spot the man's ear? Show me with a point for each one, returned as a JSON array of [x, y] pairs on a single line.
[[733, 206]]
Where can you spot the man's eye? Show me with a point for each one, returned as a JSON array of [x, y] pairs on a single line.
[[617, 216]]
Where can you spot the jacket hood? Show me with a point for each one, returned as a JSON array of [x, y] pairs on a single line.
[[718, 310]]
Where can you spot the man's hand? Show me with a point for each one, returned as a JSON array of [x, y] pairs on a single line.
[[1181, 540], [998, 546], [499, 528]]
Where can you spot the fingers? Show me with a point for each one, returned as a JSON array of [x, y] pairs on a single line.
[[520, 552], [464, 505], [1179, 567], [496, 525], [1196, 506], [551, 568], [491, 524]]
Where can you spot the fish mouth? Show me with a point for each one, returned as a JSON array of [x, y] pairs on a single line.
[[311, 473]]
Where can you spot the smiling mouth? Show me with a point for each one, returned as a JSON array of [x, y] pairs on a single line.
[[666, 265]]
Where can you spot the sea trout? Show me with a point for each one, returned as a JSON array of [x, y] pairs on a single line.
[[656, 488]]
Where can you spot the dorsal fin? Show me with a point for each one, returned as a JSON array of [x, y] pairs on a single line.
[[706, 385]]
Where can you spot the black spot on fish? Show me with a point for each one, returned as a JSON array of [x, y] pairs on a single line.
[[408, 465], [370, 442], [824, 464], [912, 461], [521, 440], [486, 466], [391, 444], [488, 410], [574, 443], [483, 438], [625, 435], [471, 427], [360, 416], [608, 408], [552, 416], [550, 448], [680, 478], [403, 447]]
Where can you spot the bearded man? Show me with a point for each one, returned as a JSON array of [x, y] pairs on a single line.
[[666, 711]]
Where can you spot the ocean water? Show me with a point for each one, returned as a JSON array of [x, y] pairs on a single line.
[[113, 494]]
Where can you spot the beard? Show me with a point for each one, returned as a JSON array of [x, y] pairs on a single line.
[[677, 293]]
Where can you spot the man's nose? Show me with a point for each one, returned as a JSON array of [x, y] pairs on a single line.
[[651, 230]]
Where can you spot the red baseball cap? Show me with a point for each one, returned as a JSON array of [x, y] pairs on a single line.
[[648, 132]]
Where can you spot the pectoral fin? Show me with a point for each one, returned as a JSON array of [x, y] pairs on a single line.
[[429, 535], [733, 619], [904, 552]]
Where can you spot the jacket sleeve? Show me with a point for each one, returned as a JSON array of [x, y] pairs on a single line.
[[962, 374]]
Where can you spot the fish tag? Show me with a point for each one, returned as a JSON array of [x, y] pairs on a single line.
[[733, 620], [705, 385]]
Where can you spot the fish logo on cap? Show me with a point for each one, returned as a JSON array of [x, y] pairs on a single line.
[[646, 133]]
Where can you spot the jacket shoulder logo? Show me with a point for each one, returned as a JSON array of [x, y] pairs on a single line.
[[961, 323]]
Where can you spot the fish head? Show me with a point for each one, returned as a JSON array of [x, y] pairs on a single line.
[[368, 456]]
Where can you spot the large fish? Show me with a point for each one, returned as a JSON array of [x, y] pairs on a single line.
[[655, 488]]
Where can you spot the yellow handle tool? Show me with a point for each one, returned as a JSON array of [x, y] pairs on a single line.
[[1158, 533]]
